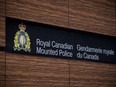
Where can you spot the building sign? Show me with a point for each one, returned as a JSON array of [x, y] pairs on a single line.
[[46, 40]]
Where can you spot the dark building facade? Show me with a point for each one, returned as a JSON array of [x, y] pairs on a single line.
[[96, 16]]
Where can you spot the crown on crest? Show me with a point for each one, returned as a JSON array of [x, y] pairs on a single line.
[[22, 27]]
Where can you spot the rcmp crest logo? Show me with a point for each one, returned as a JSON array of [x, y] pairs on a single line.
[[22, 40]]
